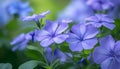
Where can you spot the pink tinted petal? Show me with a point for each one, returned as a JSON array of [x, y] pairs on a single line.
[[60, 38]]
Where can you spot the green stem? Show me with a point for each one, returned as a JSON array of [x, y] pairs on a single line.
[[39, 23]]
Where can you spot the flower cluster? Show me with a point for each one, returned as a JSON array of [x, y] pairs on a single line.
[[101, 20], [21, 41], [10, 8], [100, 4], [79, 37]]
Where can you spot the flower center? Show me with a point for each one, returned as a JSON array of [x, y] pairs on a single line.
[[100, 21], [112, 54], [100, 2]]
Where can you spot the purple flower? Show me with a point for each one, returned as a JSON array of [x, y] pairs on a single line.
[[100, 4], [22, 9], [108, 53], [82, 37], [21, 41], [51, 33], [101, 20], [115, 11], [36, 17], [57, 54], [76, 10], [9, 8]]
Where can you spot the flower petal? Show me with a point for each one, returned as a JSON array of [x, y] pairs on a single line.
[[82, 29], [42, 34], [77, 46], [106, 18], [48, 52], [91, 32], [75, 29], [92, 19], [89, 44], [117, 48], [50, 26], [18, 39], [109, 26], [59, 54], [60, 38], [107, 42], [79, 29], [100, 54], [72, 38], [46, 42], [61, 28], [110, 63]]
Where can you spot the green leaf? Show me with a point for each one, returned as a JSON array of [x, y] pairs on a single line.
[[116, 31], [34, 52], [5, 66], [35, 48], [29, 64]]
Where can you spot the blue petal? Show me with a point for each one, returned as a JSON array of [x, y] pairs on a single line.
[[61, 28], [59, 54], [90, 43], [42, 34], [77, 46], [109, 25], [107, 42], [18, 39], [91, 32], [49, 55], [72, 38], [100, 54], [50, 26], [60, 38], [46, 42], [110, 63]]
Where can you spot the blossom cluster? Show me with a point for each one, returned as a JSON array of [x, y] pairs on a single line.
[[81, 36], [13, 8]]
